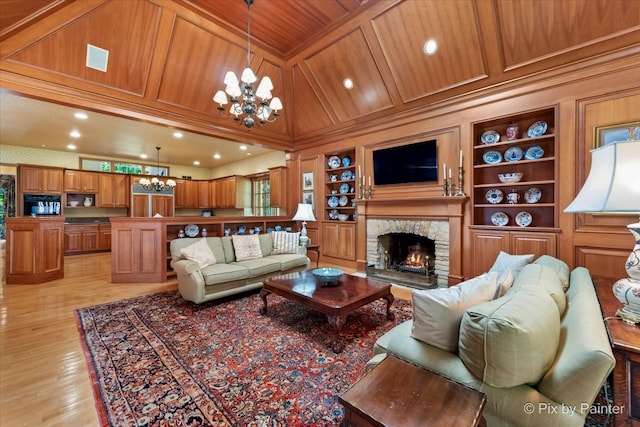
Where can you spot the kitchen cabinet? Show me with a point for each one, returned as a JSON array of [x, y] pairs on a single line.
[[104, 237], [78, 181], [232, 192], [34, 249], [204, 194], [278, 186], [113, 191], [186, 193], [339, 240], [147, 205], [80, 238], [40, 180]]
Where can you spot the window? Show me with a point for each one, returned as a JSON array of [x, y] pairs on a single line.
[[119, 167], [261, 197]]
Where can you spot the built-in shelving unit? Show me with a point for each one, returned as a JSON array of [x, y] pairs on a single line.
[[340, 187]]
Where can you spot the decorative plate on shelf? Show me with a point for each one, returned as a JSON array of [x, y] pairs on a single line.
[[490, 137], [191, 230], [513, 154], [332, 202], [347, 175], [344, 188], [346, 161], [343, 200], [524, 219], [494, 196], [499, 219], [333, 214], [334, 162], [534, 152], [532, 195], [492, 157], [537, 129]]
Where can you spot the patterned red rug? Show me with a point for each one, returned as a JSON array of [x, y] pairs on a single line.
[[160, 361]]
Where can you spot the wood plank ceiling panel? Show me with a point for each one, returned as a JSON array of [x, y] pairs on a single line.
[[310, 111], [534, 30], [111, 26], [402, 32], [14, 12], [278, 26], [350, 57]]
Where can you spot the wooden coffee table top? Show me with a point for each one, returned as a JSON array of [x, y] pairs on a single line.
[[350, 293], [400, 393]]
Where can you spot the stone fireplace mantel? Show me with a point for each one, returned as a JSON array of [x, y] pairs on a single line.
[[448, 209]]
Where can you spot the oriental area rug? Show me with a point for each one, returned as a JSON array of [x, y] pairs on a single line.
[[159, 360]]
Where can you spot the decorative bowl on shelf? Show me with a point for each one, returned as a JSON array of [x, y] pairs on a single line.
[[510, 177], [73, 203], [328, 275], [343, 217]]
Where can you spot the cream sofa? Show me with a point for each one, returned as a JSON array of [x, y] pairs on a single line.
[[229, 276], [503, 344]]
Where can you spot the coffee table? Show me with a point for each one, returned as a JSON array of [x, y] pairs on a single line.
[[336, 301]]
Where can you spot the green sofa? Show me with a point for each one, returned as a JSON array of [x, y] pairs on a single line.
[[229, 276], [540, 355]]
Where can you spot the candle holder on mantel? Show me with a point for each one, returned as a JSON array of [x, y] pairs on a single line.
[[361, 194], [367, 193], [450, 187], [446, 188], [460, 192]]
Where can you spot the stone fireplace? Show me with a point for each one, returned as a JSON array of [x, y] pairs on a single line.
[[390, 230], [414, 252]]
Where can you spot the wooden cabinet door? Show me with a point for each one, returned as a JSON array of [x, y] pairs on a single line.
[[203, 194], [277, 185], [72, 239], [179, 194], [538, 244], [104, 237], [140, 206], [212, 194], [89, 182], [122, 190], [106, 191], [338, 240], [486, 245], [162, 205], [72, 181], [191, 188], [330, 242], [30, 179], [90, 238], [52, 180]]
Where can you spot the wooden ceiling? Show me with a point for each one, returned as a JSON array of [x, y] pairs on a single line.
[[168, 57]]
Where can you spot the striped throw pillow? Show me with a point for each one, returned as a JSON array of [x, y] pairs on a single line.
[[285, 243]]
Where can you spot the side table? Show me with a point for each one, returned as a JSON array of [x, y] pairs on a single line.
[[316, 249], [400, 393], [625, 344]]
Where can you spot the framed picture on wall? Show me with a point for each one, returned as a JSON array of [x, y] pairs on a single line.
[[622, 132], [307, 197], [307, 181]]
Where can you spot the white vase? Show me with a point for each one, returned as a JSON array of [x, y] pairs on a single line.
[[633, 261]]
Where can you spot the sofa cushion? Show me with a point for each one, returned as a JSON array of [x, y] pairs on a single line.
[[222, 273], [559, 267], [288, 261], [515, 263], [260, 266], [285, 243], [537, 275], [199, 252], [246, 247], [504, 283], [266, 244], [437, 313], [511, 340]]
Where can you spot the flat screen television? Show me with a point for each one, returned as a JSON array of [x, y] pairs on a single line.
[[404, 164]]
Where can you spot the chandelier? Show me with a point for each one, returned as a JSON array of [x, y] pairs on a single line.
[[248, 105], [156, 183]]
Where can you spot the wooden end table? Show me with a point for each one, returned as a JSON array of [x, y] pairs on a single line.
[[336, 301], [625, 344], [400, 393], [316, 249]]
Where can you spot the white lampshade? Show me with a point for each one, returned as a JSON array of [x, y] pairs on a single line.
[[248, 76], [230, 79], [220, 97], [612, 184], [304, 213], [276, 104], [233, 90], [264, 113]]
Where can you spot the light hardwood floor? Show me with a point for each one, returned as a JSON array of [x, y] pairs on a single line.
[[43, 373]]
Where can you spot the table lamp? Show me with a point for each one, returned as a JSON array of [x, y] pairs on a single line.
[[304, 214], [613, 187]]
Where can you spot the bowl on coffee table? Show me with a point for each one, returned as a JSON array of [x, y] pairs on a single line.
[[328, 276]]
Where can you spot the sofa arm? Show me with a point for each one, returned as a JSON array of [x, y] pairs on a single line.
[[185, 266], [190, 280], [302, 250]]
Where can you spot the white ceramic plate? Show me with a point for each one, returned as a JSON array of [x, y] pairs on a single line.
[[343, 201], [523, 219], [191, 230], [534, 152], [344, 188], [492, 157], [513, 154], [500, 219], [490, 137], [532, 195], [333, 202], [537, 129], [334, 162], [494, 196]]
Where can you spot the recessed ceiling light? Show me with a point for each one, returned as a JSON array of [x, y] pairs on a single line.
[[195, 162], [177, 135], [74, 134], [243, 147], [347, 83], [430, 47], [71, 147], [80, 115], [143, 156], [216, 156]]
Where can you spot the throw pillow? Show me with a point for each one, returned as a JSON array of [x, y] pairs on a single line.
[[515, 263], [512, 340], [199, 252], [437, 313], [285, 243], [505, 281], [246, 247]]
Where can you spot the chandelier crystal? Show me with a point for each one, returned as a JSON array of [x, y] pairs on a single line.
[[156, 183], [248, 104]]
